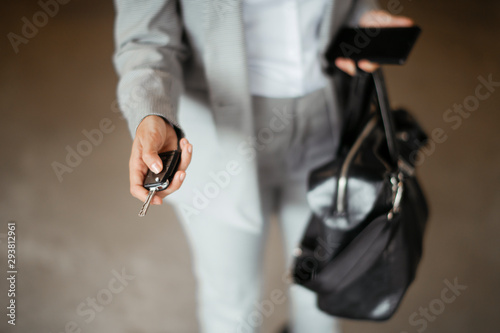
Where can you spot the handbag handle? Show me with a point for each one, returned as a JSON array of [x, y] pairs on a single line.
[[388, 123], [386, 114], [362, 87]]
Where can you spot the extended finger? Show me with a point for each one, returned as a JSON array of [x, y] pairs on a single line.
[[151, 145]]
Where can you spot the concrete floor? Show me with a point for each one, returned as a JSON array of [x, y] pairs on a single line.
[[75, 235]]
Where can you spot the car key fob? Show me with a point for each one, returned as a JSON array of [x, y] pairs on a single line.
[[170, 160], [160, 181]]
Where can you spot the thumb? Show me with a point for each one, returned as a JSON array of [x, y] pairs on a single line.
[[150, 156]]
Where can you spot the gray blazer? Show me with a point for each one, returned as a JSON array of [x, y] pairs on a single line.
[[186, 60]]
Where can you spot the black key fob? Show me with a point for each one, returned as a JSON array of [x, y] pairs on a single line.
[[161, 180]]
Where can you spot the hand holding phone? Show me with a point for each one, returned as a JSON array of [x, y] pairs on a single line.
[[373, 20], [379, 45]]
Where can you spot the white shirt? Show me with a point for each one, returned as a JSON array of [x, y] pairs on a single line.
[[282, 38]]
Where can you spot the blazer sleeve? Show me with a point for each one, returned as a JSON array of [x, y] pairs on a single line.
[[359, 8], [148, 58]]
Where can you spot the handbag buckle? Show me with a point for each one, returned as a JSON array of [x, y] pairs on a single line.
[[397, 194]]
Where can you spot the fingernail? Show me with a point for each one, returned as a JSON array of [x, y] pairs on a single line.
[[156, 168], [182, 176]]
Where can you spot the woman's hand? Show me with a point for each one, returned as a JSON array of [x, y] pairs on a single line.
[[373, 18], [154, 135]]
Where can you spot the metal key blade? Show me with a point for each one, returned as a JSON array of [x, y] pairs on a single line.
[[146, 204]]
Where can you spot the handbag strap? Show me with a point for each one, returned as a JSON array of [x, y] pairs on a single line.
[[363, 85], [358, 102], [386, 114]]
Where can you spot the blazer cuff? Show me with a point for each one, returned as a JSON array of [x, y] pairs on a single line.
[[140, 96]]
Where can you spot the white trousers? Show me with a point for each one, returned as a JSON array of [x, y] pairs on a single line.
[[228, 260]]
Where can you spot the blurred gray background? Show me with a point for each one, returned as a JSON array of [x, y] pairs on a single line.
[[74, 236]]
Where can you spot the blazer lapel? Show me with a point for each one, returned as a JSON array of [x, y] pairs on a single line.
[[226, 68]]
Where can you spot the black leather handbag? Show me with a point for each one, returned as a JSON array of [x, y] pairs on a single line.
[[363, 244]]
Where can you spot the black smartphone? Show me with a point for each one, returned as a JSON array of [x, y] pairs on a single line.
[[381, 45]]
